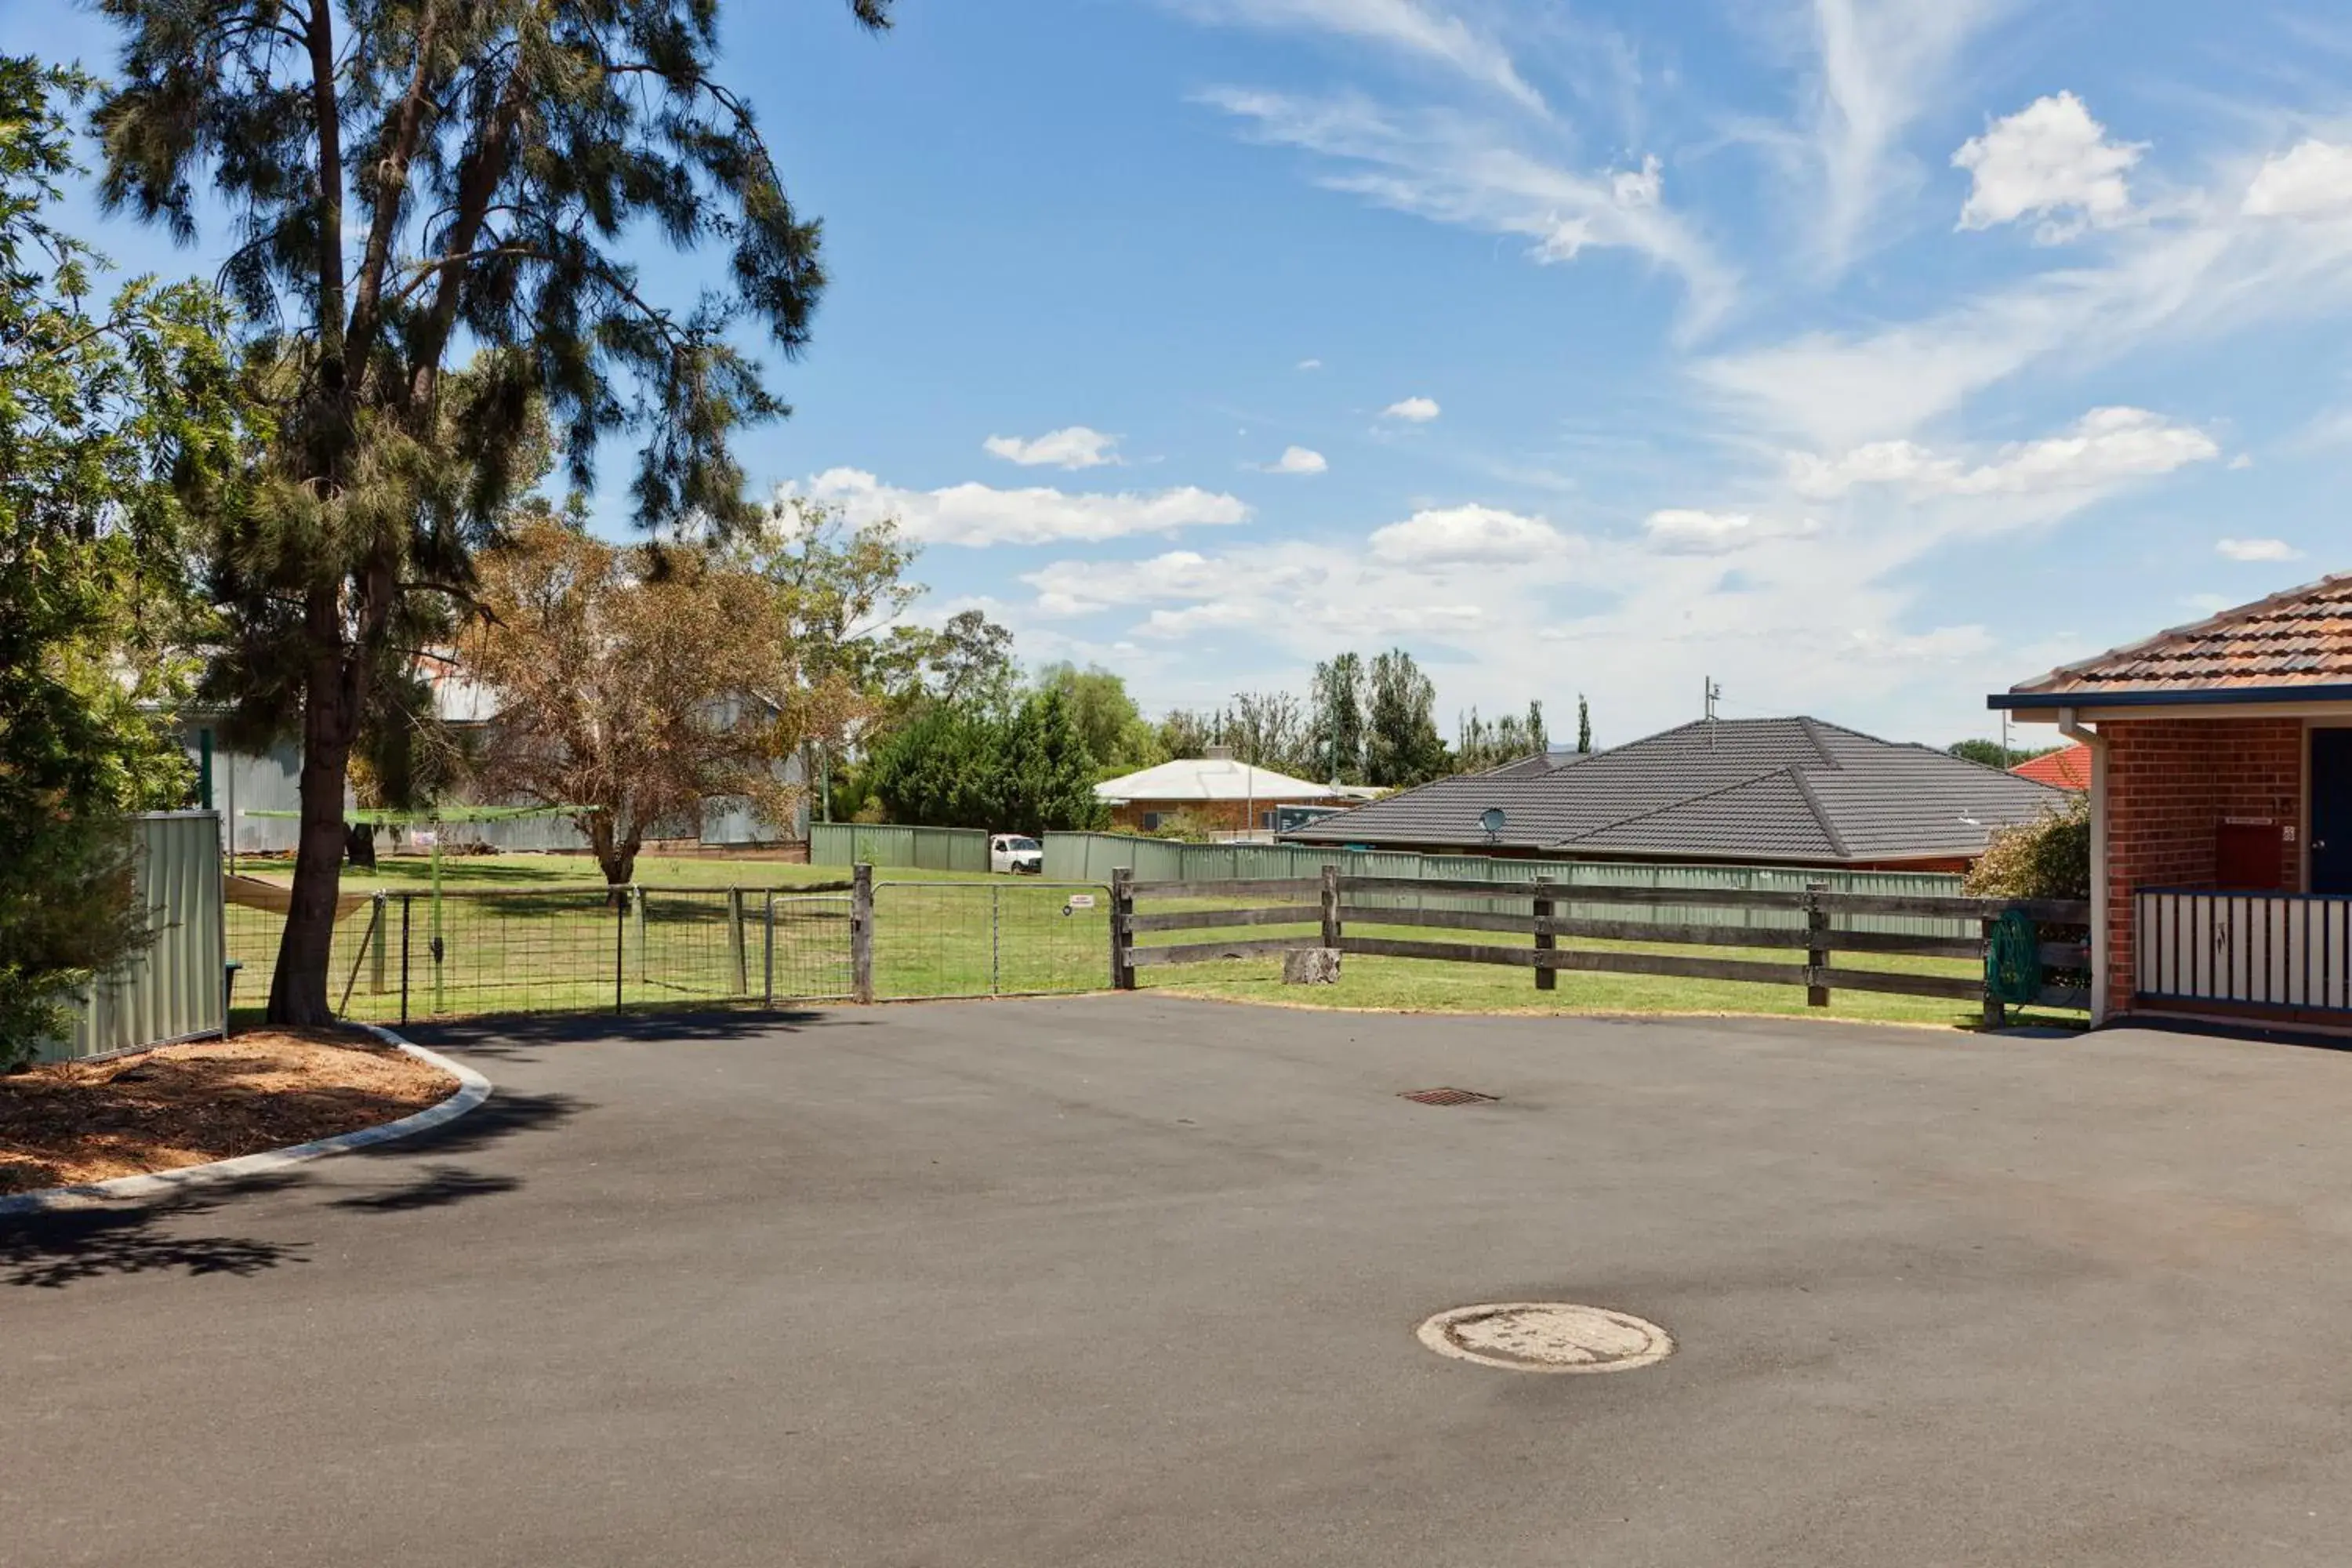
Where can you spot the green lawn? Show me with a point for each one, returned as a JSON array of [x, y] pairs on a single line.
[[524, 933], [1426, 985]]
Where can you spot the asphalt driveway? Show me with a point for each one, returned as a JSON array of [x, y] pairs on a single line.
[[1134, 1280]]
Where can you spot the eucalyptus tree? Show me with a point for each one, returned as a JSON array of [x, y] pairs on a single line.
[[412, 187]]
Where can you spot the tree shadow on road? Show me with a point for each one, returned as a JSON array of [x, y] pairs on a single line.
[[522, 1039], [437, 1186], [50, 1251]]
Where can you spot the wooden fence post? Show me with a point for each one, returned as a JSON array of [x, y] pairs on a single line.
[[861, 931], [740, 960], [1331, 931], [1546, 941], [1122, 937], [1817, 920]]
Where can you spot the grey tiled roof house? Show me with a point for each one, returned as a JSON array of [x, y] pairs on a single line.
[[1795, 792]]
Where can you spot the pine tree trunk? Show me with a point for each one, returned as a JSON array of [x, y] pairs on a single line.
[[330, 706]]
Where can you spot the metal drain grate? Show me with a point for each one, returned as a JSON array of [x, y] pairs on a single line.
[[1448, 1097]]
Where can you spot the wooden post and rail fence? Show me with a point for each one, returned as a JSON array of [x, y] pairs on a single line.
[[1335, 904]]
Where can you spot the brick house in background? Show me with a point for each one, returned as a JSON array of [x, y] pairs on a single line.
[[1214, 791], [2222, 810]]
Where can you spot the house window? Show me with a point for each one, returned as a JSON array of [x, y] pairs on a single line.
[[1151, 822]]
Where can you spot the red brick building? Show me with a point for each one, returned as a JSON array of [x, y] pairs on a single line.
[[2222, 810]]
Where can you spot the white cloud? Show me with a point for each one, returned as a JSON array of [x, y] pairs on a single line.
[[1412, 26], [1883, 63], [2256, 550], [976, 514], [1414, 410], [1686, 532], [2052, 161], [1469, 533], [1453, 168], [1310, 365], [2314, 180], [1073, 448], [2105, 445], [1297, 460]]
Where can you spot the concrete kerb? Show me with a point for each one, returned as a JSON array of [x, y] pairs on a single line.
[[473, 1089]]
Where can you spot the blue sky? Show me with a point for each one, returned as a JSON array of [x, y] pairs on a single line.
[[1867, 355]]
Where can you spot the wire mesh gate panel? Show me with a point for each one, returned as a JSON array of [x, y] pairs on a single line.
[[1005, 938], [408, 955], [805, 948]]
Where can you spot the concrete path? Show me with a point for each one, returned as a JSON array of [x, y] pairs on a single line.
[[1133, 1280]]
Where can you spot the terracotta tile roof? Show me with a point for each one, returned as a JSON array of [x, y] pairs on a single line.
[[2302, 638], [2069, 767]]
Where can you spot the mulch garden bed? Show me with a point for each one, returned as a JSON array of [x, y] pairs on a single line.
[[209, 1099]]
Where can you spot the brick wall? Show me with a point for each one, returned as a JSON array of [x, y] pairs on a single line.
[[2170, 782]]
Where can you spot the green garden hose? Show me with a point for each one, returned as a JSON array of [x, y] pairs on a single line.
[[2013, 959]]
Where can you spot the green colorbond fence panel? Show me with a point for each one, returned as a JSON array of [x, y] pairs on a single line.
[[891, 846], [1092, 856], [172, 990]]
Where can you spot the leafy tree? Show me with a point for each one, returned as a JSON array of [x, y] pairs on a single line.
[[1583, 724], [1117, 738], [1270, 729], [108, 418], [970, 660], [1402, 746], [415, 177], [611, 703], [1340, 719], [1993, 754], [968, 765], [1483, 744], [1187, 732]]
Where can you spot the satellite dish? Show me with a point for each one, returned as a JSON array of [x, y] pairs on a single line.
[[1492, 820]]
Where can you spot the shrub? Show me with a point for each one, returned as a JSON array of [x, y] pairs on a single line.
[[2049, 857]]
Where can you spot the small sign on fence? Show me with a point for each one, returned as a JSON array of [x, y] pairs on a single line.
[[1078, 901]]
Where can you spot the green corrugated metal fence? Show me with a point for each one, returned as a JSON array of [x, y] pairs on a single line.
[[1092, 856], [172, 990], [907, 849]]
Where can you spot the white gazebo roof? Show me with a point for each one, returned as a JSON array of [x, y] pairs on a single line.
[[1211, 778]]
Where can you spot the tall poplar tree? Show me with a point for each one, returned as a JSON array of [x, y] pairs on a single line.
[[417, 185]]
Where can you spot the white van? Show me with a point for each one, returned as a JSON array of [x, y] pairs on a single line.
[[1015, 853]]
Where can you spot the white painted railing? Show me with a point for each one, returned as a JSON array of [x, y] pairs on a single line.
[[2283, 950]]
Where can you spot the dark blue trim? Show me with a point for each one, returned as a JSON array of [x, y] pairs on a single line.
[[2229, 696]]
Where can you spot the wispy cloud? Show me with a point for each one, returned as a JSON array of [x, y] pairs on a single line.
[[1453, 169], [1412, 410], [1413, 27], [1882, 65], [2212, 266]]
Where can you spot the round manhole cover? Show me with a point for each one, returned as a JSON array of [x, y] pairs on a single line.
[[1547, 1336]]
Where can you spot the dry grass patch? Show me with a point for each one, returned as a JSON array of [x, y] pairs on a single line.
[[208, 1099]]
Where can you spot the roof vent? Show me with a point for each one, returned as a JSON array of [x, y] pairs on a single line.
[[1219, 754]]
